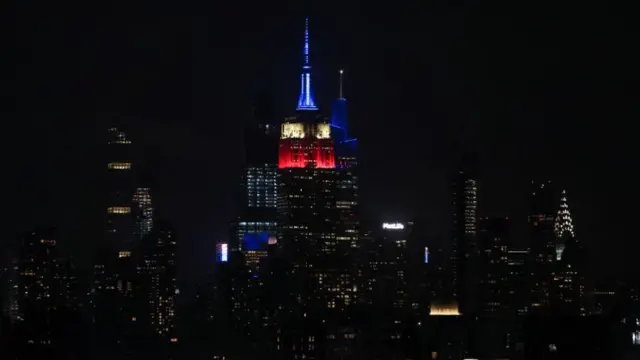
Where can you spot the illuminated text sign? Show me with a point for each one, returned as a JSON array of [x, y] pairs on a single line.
[[393, 226]]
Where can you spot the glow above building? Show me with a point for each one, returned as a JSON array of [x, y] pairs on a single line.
[[444, 310]]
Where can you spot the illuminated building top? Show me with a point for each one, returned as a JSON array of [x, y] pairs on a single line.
[[444, 310], [301, 131], [564, 222], [306, 99]]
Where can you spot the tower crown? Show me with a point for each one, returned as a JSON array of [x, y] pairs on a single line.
[[306, 100], [564, 222]]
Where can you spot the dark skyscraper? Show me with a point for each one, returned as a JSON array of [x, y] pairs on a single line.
[[493, 240], [157, 273], [113, 290], [542, 242], [40, 290], [256, 224], [143, 211], [518, 285], [119, 196], [348, 229], [464, 254], [259, 181]]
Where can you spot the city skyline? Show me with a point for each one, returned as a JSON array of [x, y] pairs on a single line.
[[187, 146], [441, 183]]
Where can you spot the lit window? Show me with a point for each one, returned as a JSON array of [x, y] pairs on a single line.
[[119, 210], [119, 165]]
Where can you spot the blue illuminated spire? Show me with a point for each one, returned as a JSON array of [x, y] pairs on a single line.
[[306, 100]]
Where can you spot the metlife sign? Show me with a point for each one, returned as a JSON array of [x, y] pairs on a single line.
[[393, 226]]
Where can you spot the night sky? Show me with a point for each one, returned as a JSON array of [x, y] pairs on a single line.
[[535, 90]]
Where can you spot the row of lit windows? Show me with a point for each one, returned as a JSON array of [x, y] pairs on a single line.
[[119, 210], [119, 165]]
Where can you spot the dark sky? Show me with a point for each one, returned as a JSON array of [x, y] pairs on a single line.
[[540, 89]]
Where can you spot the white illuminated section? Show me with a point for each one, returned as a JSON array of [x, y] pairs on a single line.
[[426, 255], [635, 338], [224, 252], [559, 251], [323, 131], [393, 226], [292, 131], [444, 310]]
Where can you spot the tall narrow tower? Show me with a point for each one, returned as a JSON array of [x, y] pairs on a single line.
[[346, 147], [119, 223], [114, 268], [305, 139], [464, 252], [310, 218], [568, 285], [259, 181], [143, 210], [306, 100], [563, 226], [347, 165], [543, 252]]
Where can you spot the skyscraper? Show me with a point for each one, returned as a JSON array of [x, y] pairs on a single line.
[[542, 242], [39, 286], [310, 217], [464, 254], [157, 271], [119, 222], [346, 146], [519, 273], [113, 290], [143, 212], [493, 241], [256, 224], [563, 226], [347, 166], [259, 181], [568, 282]]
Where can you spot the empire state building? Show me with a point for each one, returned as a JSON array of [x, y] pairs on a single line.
[[309, 212]]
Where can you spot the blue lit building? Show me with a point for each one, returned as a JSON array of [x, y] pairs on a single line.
[[345, 146]]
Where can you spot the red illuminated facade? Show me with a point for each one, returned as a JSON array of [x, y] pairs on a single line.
[[305, 149]]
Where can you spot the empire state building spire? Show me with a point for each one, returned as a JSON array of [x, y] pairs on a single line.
[[564, 222], [306, 99]]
